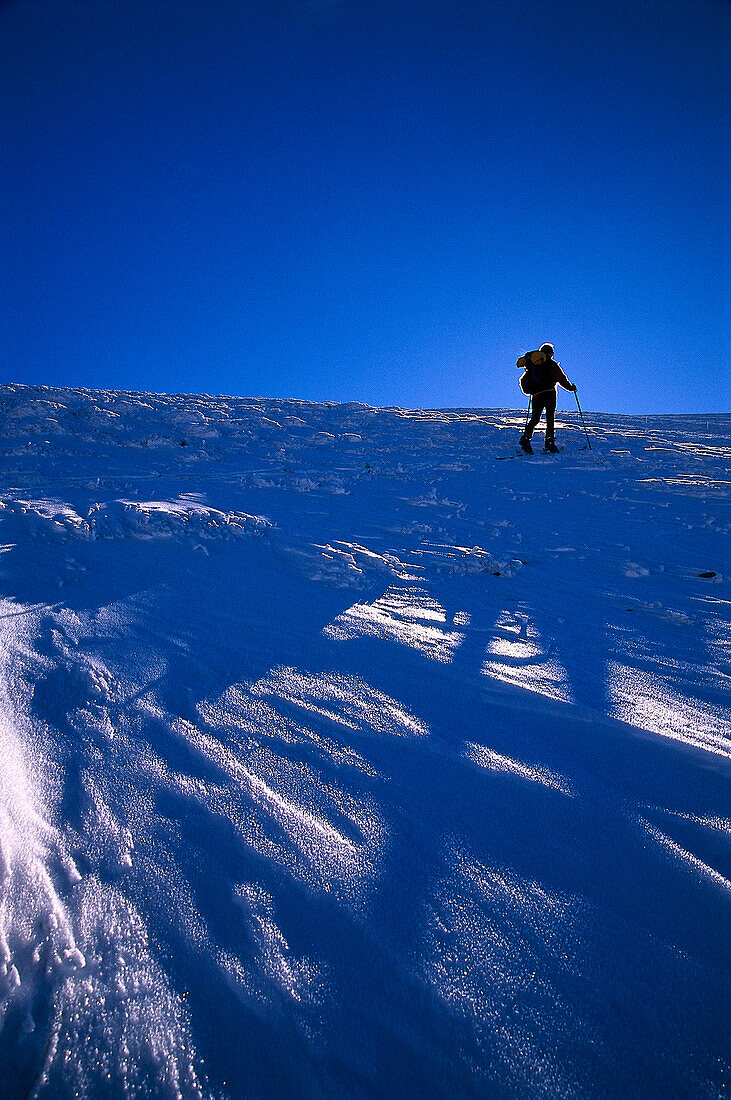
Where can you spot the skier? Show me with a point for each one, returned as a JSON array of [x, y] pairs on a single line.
[[545, 400]]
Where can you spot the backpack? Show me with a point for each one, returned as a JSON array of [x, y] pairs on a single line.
[[536, 377]]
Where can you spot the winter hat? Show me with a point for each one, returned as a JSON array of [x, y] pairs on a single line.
[[548, 349]]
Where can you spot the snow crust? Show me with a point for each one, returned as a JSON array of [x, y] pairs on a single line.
[[343, 758]]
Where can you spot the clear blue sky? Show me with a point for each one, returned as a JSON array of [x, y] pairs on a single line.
[[366, 200]]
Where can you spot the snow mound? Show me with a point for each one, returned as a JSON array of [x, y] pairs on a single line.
[[146, 519]]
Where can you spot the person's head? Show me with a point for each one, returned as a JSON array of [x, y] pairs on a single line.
[[547, 350]]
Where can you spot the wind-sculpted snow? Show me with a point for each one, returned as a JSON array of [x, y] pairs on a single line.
[[341, 759], [408, 616], [146, 519]]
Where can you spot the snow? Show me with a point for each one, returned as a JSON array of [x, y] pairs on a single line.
[[341, 759]]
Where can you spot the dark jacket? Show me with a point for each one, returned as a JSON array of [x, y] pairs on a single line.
[[553, 370]]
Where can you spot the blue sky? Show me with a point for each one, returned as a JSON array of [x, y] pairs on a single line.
[[361, 200]]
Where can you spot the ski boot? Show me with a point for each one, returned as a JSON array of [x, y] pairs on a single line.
[[525, 445], [551, 446]]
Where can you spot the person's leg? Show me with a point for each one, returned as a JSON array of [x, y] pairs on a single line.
[[538, 404], [550, 403]]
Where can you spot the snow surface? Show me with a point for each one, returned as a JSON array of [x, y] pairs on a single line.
[[341, 759]]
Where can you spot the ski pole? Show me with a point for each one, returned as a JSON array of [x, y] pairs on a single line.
[[527, 415], [582, 418]]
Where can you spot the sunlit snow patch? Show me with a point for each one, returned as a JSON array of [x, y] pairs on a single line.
[[496, 950], [274, 975], [691, 862], [119, 1020], [277, 806], [82, 1001], [236, 712], [36, 934], [516, 657], [406, 615], [522, 962], [533, 773], [345, 700], [643, 699]]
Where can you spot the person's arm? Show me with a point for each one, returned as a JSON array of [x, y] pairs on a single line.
[[561, 378]]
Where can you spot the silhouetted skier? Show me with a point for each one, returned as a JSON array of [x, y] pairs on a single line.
[[544, 399]]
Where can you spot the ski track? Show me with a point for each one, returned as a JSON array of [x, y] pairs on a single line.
[[340, 759]]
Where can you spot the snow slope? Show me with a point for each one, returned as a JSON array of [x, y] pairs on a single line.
[[341, 759]]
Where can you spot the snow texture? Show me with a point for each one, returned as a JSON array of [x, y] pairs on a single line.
[[340, 759]]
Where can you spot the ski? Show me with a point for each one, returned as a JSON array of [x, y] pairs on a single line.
[[520, 453]]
